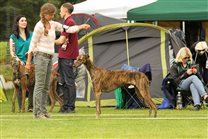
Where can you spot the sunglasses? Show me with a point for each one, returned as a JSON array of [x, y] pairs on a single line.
[[186, 58]]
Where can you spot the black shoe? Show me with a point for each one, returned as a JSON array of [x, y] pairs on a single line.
[[197, 108], [62, 110], [70, 110]]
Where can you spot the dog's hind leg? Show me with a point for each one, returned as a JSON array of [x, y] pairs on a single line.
[[60, 101], [147, 100], [51, 96], [56, 96], [154, 106], [145, 85]]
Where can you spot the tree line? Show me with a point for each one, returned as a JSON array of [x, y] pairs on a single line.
[[30, 8]]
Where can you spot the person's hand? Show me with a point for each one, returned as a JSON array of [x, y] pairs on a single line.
[[28, 66], [22, 63], [17, 59], [189, 71], [85, 26], [194, 70]]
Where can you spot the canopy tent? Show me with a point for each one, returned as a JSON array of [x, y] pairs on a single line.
[[95, 21], [111, 8], [172, 10], [135, 44]]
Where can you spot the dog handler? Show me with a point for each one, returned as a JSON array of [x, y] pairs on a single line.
[[19, 44], [67, 54], [42, 45]]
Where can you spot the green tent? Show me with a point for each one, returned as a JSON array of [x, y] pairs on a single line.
[[135, 44], [171, 10]]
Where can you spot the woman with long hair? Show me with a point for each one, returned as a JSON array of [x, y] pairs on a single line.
[[19, 45], [42, 45]]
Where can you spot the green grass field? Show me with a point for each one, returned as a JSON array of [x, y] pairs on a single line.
[[113, 123]]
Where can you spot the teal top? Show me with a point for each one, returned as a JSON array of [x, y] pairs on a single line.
[[21, 46]]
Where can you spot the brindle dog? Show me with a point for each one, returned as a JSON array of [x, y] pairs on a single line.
[[108, 80], [52, 90], [26, 81]]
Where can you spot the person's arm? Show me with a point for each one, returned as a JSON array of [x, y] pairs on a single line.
[[178, 76], [60, 40], [12, 48], [38, 31], [70, 29], [29, 59]]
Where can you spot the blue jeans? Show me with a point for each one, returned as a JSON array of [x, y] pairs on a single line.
[[194, 84], [43, 65]]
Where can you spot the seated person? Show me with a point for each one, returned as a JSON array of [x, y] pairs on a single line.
[[185, 75]]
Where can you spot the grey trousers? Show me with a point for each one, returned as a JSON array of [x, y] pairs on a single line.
[[43, 65]]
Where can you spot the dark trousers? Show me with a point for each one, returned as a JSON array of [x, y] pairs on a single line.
[[67, 79]]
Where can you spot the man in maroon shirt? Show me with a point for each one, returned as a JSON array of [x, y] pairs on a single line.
[[68, 52]]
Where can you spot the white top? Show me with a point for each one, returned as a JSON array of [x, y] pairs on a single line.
[[45, 44]]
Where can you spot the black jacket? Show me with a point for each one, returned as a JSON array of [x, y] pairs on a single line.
[[178, 72]]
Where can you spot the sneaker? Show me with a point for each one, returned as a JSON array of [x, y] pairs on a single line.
[[206, 99], [197, 108], [39, 116], [47, 115], [30, 110]]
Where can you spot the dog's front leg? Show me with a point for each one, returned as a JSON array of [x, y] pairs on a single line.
[[14, 97], [24, 89], [97, 96]]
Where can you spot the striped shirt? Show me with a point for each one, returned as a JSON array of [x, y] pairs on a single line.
[[45, 44]]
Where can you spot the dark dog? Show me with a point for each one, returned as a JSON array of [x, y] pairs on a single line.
[[52, 90], [108, 80], [26, 81]]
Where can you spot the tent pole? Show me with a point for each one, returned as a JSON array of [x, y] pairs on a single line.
[[127, 47], [183, 26]]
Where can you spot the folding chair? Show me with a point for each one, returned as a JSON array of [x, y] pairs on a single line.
[[130, 98], [129, 95]]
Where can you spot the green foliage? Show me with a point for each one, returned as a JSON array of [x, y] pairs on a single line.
[[5, 68], [3, 51], [30, 8]]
